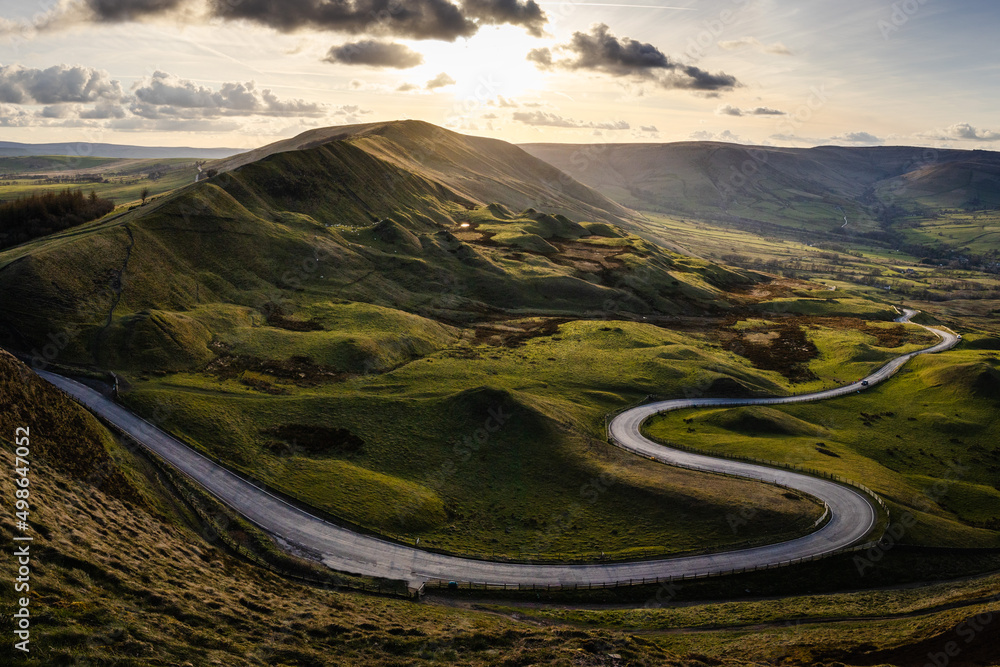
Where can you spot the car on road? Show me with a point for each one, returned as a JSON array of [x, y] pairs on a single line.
[[864, 383]]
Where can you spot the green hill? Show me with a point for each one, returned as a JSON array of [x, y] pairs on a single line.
[[349, 219], [473, 169]]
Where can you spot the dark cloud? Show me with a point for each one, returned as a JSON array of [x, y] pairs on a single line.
[[692, 78], [56, 85], [375, 54], [544, 119], [494, 12], [166, 96], [445, 20], [601, 51], [767, 111], [418, 19], [127, 10]]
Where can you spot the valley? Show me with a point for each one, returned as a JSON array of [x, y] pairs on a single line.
[[416, 335]]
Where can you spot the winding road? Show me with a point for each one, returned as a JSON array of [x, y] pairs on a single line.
[[852, 513]]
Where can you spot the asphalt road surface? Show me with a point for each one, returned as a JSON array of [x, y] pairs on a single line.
[[852, 514]]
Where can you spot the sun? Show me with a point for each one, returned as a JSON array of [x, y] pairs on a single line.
[[490, 64]]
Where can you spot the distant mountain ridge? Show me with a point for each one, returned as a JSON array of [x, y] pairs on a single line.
[[86, 149], [808, 188]]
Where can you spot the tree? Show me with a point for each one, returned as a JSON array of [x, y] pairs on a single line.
[[145, 195]]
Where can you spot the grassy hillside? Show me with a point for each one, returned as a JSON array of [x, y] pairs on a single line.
[[926, 442], [342, 225], [122, 181], [127, 573], [10, 166], [516, 492], [474, 168], [138, 578]]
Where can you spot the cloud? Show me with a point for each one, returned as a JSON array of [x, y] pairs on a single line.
[[136, 124], [968, 132], [128, 10], [374, 54], [417, 19], [776, 48], [857, 138], [601, 51], [730, 110], [446, 20], [104, 111], [462, 125], [56, 85], [81, 97], [351, 109], [440, 81], [725, 135], [649, 128], [503, 102], [163, 95], [766, 111], [14, 116], [494, 12], [407, 87], [544, 119], [796, 139]]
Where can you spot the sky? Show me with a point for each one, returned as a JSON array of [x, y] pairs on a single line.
[[243, 73]]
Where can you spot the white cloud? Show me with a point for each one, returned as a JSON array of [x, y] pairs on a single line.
[[545, 119], [856, 138], [725, 136], [166, 96], [13, 116], [56, 85], [968, 132], [75, 96], [776, 48]]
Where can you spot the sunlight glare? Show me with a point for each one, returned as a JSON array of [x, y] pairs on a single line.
[[483, 63]]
